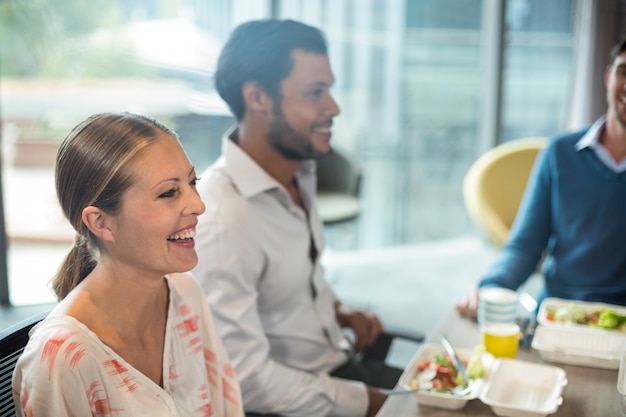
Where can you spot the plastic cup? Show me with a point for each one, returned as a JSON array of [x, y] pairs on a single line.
[[497, 305], [501, 339]]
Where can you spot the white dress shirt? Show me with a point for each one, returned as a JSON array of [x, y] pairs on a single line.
[[272, 305]]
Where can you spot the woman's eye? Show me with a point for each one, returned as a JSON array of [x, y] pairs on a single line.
[[169, 193], [194, 181]]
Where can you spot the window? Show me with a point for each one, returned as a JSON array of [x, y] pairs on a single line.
[[411, 79], [410, 83], [61, 62], [537, 74]]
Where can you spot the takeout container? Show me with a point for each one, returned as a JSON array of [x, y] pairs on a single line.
[[523, 389], [555, 303], [575, 346], [440, 400], [621, 378], [578, 344], [511, 387]]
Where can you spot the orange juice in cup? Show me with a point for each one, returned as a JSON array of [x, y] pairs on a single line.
[[501, 339]]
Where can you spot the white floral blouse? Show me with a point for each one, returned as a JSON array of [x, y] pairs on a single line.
[[66, 370]]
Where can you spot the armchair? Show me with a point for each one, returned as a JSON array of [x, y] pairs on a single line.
[[12, 343], [494, 185]]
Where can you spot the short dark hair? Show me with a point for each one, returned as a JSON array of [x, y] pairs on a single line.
[[617, 50], [260, 50]]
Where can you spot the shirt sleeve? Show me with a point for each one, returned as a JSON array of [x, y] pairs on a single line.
[[530, 231], [229, 278], [48, 382]]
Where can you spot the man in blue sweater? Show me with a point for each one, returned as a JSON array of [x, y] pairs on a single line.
[[574, 210]]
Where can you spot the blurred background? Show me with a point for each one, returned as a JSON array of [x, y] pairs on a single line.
[[425, 88]]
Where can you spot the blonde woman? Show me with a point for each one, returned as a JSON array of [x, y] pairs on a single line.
[[132, 333]]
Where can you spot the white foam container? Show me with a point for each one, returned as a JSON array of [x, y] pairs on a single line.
[[577, 344], [621, 376], [540, 385], [523, 389]]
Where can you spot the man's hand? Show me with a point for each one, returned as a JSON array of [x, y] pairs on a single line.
[[365, 325], [468, 305]]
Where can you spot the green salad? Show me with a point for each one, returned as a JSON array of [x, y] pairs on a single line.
[[446, 377], [604, 318]]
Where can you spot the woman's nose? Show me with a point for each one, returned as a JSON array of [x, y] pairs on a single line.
[[196, 205]]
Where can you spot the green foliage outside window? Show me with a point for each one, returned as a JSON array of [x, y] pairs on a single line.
[[66, 39]]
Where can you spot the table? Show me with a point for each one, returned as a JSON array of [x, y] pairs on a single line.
[[589, 391]]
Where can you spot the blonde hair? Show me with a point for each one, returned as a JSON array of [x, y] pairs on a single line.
[[91, 171]]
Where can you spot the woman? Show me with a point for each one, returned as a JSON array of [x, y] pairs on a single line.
[[132, 334]]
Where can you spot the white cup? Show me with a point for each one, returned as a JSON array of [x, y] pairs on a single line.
[[497, 305]]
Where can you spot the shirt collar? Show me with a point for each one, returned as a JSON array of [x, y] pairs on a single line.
[[248, 176], [591, 139]]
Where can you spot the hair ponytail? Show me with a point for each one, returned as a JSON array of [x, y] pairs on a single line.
[[78, 263]]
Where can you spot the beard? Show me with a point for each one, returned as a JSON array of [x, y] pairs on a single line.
[[614, 104], [621, 119], [290, 143]]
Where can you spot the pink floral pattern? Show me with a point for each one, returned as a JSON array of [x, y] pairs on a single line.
[[67, 370]]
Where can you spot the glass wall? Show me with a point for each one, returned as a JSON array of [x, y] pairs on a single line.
[[537, 74], [410, 83], [61, 61], [412, 78]]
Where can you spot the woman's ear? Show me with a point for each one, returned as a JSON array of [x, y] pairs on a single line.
[[255, 98], [99, 223]]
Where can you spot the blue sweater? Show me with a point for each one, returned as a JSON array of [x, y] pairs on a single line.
[[575, 209]]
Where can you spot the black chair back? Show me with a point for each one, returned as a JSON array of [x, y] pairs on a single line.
[[12, 343]]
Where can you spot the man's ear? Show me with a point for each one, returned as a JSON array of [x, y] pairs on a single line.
[[99, 223], [255, 98]]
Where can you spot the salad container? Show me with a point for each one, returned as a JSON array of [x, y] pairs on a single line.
[[575, 314], [573, 338], [523, 389], [621, 377], [511, 387], [438, 399]]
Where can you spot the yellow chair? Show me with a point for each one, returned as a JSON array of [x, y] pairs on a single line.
[[494, 185]]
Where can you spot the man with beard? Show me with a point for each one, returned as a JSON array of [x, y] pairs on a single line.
[[574, 211], [260, 239]]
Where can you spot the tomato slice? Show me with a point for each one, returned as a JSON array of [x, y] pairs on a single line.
[[423, 365]]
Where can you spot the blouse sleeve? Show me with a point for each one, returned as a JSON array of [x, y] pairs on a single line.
[[48, 381]]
